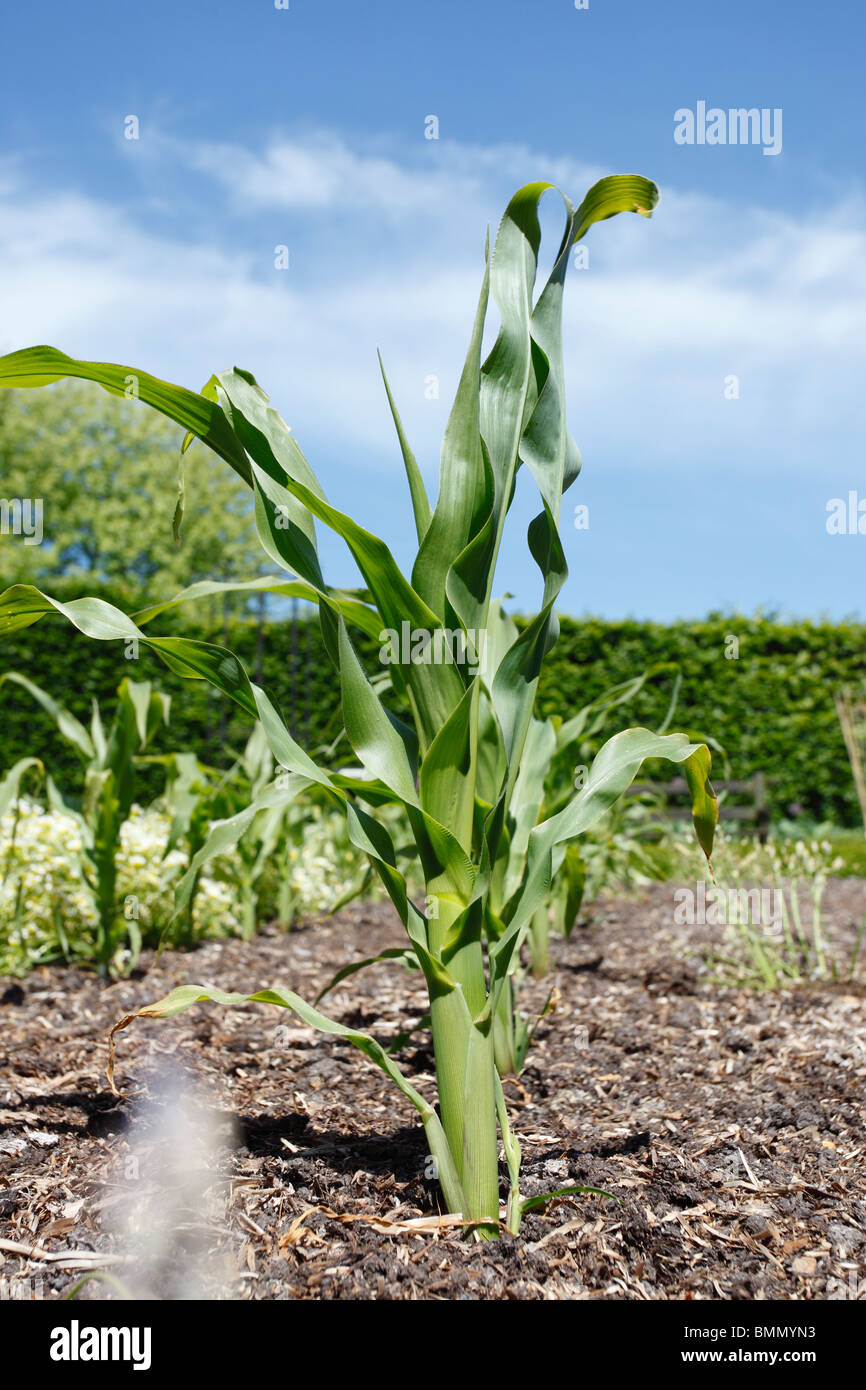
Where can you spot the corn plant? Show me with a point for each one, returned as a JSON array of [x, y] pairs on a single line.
[[10, 804], [470, 686], [216, 814], [109, 756], [203, 807], [194, 797], [10, 787]]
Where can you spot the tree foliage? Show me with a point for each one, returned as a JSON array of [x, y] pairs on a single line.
[[105, 478]]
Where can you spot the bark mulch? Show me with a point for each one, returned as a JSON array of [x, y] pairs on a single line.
[[253, 1158]]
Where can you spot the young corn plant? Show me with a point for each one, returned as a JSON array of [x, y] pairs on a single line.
[[110, 758], [258, 837], [199, 799], [454, 767], [26, 769], [262, 843], [192, 798]]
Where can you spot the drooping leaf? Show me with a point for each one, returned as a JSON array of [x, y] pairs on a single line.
[[185, 996]]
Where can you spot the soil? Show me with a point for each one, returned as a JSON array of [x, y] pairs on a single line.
[[252, 1158]]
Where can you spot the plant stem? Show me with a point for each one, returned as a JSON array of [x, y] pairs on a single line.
[[504, 1045], [539, 942], [465, 1069]]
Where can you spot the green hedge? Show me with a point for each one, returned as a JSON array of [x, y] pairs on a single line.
[[75, 670], [771, 707]]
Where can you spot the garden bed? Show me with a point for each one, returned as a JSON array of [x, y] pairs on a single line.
[[728, 1124]]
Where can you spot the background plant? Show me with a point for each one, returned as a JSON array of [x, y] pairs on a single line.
[[794, 947], [851, 709], [284, 860], [47, 909], [107, 794]]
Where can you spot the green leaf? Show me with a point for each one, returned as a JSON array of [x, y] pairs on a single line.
[[356, 613], [186, 995], [447, 782], [386, 747], [612, 771], [40, 366], [23, 605], [617, 193], [405, 956], [573, 873], [465, 479], [280, 479], [542, 1199], [615, 768], [420, 501], [10, 787]]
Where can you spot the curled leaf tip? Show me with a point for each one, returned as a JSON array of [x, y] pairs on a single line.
[[109, 1070]]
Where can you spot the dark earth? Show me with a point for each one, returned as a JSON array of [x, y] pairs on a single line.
[[253, 1158]]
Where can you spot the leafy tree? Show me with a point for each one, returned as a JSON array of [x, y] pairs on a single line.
[[104, 469]]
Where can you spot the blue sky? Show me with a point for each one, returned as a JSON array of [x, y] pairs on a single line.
[[304, 127]]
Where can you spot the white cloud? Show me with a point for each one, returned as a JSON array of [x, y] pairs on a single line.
[[386, 251], [321, 172]]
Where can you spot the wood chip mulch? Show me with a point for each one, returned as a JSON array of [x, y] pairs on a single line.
[[252, 1158]]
